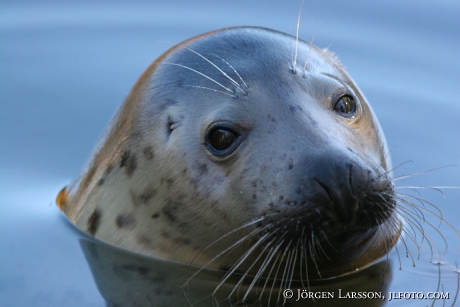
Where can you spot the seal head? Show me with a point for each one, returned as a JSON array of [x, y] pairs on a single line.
[[238, 150]]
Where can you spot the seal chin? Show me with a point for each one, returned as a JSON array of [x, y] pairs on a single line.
[[352, 252], [310, 258]]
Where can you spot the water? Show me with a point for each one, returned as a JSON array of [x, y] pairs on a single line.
[[66, 67]]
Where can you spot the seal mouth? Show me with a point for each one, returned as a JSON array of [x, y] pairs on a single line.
[[317, 255]]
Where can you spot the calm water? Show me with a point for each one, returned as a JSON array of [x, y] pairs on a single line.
[[66, 67]]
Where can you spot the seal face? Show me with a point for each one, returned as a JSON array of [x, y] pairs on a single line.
[[232, 152]]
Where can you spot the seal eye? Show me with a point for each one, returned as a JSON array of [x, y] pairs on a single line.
[[222, 141], [345, 106]]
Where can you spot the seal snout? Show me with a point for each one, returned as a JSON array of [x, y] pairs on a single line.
[[334, 194], [336, 203], [351, 193]]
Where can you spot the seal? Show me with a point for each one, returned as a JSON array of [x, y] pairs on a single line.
[[246, 150]]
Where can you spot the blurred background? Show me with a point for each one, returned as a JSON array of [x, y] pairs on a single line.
[[66, 66]]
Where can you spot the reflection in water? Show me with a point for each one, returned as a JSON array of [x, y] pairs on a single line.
[[128, 279]]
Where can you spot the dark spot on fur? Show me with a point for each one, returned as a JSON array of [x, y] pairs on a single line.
[[202, 169], [170, 210], [125, 221], [184, 171], [143, 198], [105, 175], [128, 162], [169, 182], [291, 165], [125, 158], [155, 215], [143, 239], [295, 108], [93, 221], [314, 122], [148, 152]]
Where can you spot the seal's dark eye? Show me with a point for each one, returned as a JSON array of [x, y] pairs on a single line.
[[222, 141], [345, 106]]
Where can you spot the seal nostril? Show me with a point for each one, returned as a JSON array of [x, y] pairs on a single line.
[[350, 178], [325, 188]]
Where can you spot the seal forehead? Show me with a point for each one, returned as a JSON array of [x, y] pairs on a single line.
[[230, 60], [258, 50]]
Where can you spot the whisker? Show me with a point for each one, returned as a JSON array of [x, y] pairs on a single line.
[[422, 172], [235, 267], [327, 241], [430, 241], [263, 238], [408, 252], [303, 256], [423, 208], [398, 166], [280, 242], [276, 273], [309, 53], [458, 288], [234, 70], [211, 89], [294, 262], [294, 62], [286, 270], [201, 74], [321, 249], [228, 234], [406, 215], [261, 270], [439, 216], [313, 254], [241, 240], [217, 67], [241, 260], [418, 207]]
